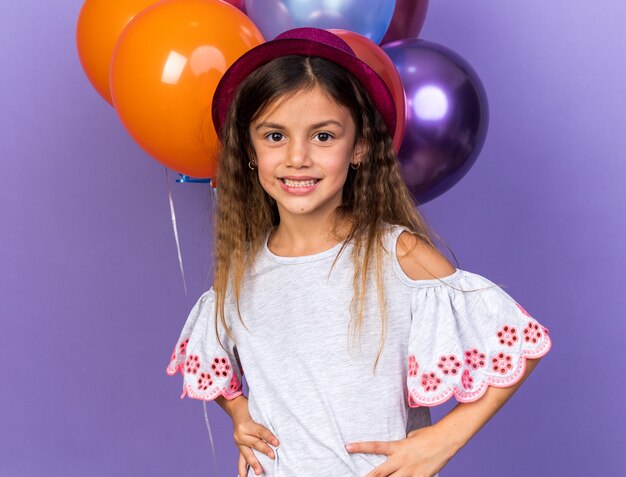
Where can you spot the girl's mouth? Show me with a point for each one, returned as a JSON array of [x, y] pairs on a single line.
[[298, 187], [300, 183]]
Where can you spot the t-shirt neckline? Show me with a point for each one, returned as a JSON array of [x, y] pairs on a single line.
[[301, 258]]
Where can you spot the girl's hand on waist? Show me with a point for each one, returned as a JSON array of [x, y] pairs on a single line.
[[249, 435], [423, 453]]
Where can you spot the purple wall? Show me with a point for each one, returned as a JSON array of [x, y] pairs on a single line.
[[92, 298]]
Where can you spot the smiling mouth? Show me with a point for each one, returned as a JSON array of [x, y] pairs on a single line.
[[300, 183]]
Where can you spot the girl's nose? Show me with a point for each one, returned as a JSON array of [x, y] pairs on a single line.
[[298, 154]]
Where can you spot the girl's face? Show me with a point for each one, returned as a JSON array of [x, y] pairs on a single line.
[[304, 145]]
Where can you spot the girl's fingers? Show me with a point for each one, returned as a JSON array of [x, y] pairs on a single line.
[[256, 439], [265, 434], [251, 459], [242, 467], [252, 442], [261, 446], [260, 443]]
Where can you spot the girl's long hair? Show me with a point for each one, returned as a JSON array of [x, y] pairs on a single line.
[[374, 194]]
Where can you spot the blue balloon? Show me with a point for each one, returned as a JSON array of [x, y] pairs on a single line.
[[370, 18]]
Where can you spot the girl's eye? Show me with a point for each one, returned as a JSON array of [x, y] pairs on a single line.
[[275, 137], [324, 136]]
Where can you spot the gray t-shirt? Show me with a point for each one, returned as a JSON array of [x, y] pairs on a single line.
[[311, 383]]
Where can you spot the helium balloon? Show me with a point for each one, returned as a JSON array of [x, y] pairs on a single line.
[[407, 21], [369, 52], [165, 69], [447, 116], [240, 4], [369, 18], [100, 23]]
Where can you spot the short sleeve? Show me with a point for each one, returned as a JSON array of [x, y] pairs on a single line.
[[461, 342], [208, 369]]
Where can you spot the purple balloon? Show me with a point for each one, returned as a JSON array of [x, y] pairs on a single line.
[[407, 21], [446, 116]]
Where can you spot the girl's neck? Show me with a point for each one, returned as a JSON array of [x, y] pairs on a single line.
[[302, 236]]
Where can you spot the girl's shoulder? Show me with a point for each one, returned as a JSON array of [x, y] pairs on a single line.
[[417, 259]]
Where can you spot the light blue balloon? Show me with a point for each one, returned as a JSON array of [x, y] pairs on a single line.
[[370, 18]]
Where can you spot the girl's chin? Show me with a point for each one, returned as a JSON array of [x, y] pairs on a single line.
[[301, 208]]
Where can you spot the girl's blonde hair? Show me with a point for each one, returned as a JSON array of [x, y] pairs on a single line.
[[374, 194]]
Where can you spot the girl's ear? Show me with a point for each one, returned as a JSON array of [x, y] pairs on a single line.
[[359, 151]]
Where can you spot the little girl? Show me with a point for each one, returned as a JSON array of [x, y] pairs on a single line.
[[328, 290]]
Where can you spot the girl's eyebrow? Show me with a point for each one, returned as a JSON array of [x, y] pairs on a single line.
[[268, 125], [321, 124], [329, 122]]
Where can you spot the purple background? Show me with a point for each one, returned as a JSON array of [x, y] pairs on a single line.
[[92, 297]]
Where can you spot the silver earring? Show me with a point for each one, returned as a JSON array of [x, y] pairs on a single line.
[[358, 164], [250, 165]]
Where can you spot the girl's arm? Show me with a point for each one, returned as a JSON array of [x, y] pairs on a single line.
[[420, 261], [248, 434], [425, 451], [233, 407], [466, 419]]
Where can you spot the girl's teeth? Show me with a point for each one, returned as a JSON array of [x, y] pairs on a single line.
[[291, 183]]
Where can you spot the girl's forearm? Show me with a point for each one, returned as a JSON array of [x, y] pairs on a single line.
[[233, 407], [466, 419]]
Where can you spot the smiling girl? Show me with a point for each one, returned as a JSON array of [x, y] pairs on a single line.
[[328, 289]]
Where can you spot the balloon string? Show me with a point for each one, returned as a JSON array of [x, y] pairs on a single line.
[[180, 262], [208, 427], [173, 215], [213, 194], [213, 198]]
